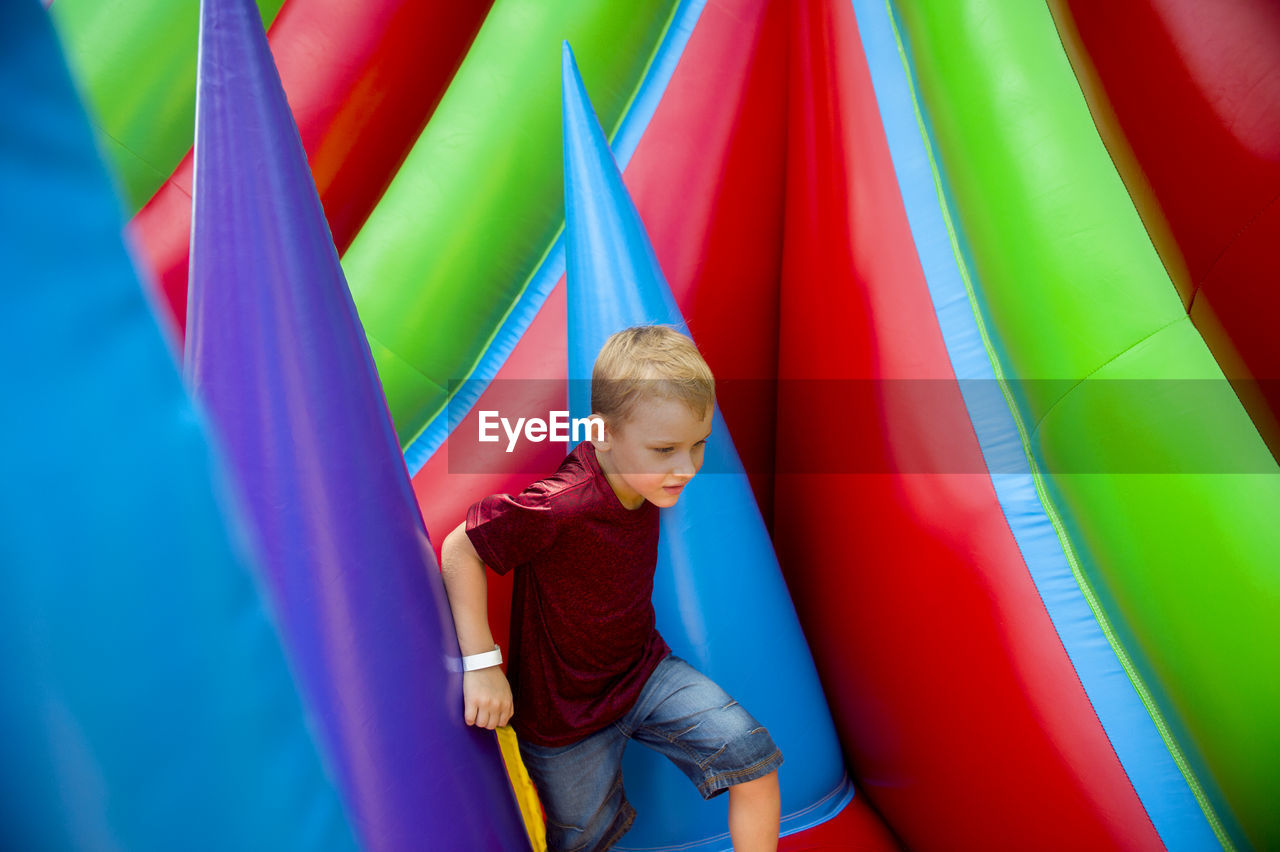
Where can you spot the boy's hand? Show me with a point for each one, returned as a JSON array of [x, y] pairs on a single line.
[[486, 695]]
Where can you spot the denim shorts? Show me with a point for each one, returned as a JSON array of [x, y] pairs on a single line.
[[680, 713]]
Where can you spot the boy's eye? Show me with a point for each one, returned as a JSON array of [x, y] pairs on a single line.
[[664, 450]]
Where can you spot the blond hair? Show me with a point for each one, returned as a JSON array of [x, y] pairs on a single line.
[[649, 361]]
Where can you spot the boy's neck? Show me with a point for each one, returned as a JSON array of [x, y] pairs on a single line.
[[615, 481]]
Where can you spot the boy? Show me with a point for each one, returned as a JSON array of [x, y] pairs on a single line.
[[590, 670]]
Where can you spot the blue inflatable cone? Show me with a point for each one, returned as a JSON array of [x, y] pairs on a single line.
[[276, 352], [719, 594], [147, 703]]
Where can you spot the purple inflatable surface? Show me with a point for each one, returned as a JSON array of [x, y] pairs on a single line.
[[277, 354]]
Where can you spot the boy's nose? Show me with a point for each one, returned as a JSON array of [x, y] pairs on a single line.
[[684, 468]]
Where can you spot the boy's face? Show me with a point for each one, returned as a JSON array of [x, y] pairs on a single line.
[[655, 452]]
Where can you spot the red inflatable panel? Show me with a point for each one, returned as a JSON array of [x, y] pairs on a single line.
[[362, 80], [961, 714], [1186, 95]]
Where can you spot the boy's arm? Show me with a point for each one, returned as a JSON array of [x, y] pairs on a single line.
[[486, 693]]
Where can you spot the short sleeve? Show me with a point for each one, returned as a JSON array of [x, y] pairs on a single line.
[[508, 531]]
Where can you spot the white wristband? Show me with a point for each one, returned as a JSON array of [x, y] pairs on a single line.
[[482, 661]]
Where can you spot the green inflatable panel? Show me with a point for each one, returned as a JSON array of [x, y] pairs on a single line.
[[478, 203], [135, 62], [1167, 499]]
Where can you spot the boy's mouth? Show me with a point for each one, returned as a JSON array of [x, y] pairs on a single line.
[[673, 489]]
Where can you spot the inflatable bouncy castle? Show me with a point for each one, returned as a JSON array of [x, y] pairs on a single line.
[[986, 534]]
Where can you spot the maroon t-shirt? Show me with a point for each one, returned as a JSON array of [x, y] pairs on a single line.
[[583, 640]]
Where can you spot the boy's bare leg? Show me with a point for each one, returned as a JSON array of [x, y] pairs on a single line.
[[755, 809]]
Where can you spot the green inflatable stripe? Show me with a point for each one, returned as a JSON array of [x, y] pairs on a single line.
[[479, 201], [135, 63], [1166, 497]]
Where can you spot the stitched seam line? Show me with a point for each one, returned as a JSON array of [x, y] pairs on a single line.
[[1196, 286], [738, 773], [1180, 318]]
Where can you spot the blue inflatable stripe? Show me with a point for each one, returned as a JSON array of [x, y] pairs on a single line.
[[1146, 759], [543, 280]]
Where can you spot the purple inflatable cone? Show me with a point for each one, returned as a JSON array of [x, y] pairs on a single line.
[[276, 352]]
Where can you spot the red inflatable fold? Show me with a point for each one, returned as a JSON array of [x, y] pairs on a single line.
[[362, 80]]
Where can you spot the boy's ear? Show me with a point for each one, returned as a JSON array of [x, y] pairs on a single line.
[[604, 444]]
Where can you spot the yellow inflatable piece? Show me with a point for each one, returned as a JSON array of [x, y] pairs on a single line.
[[522, 784]]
